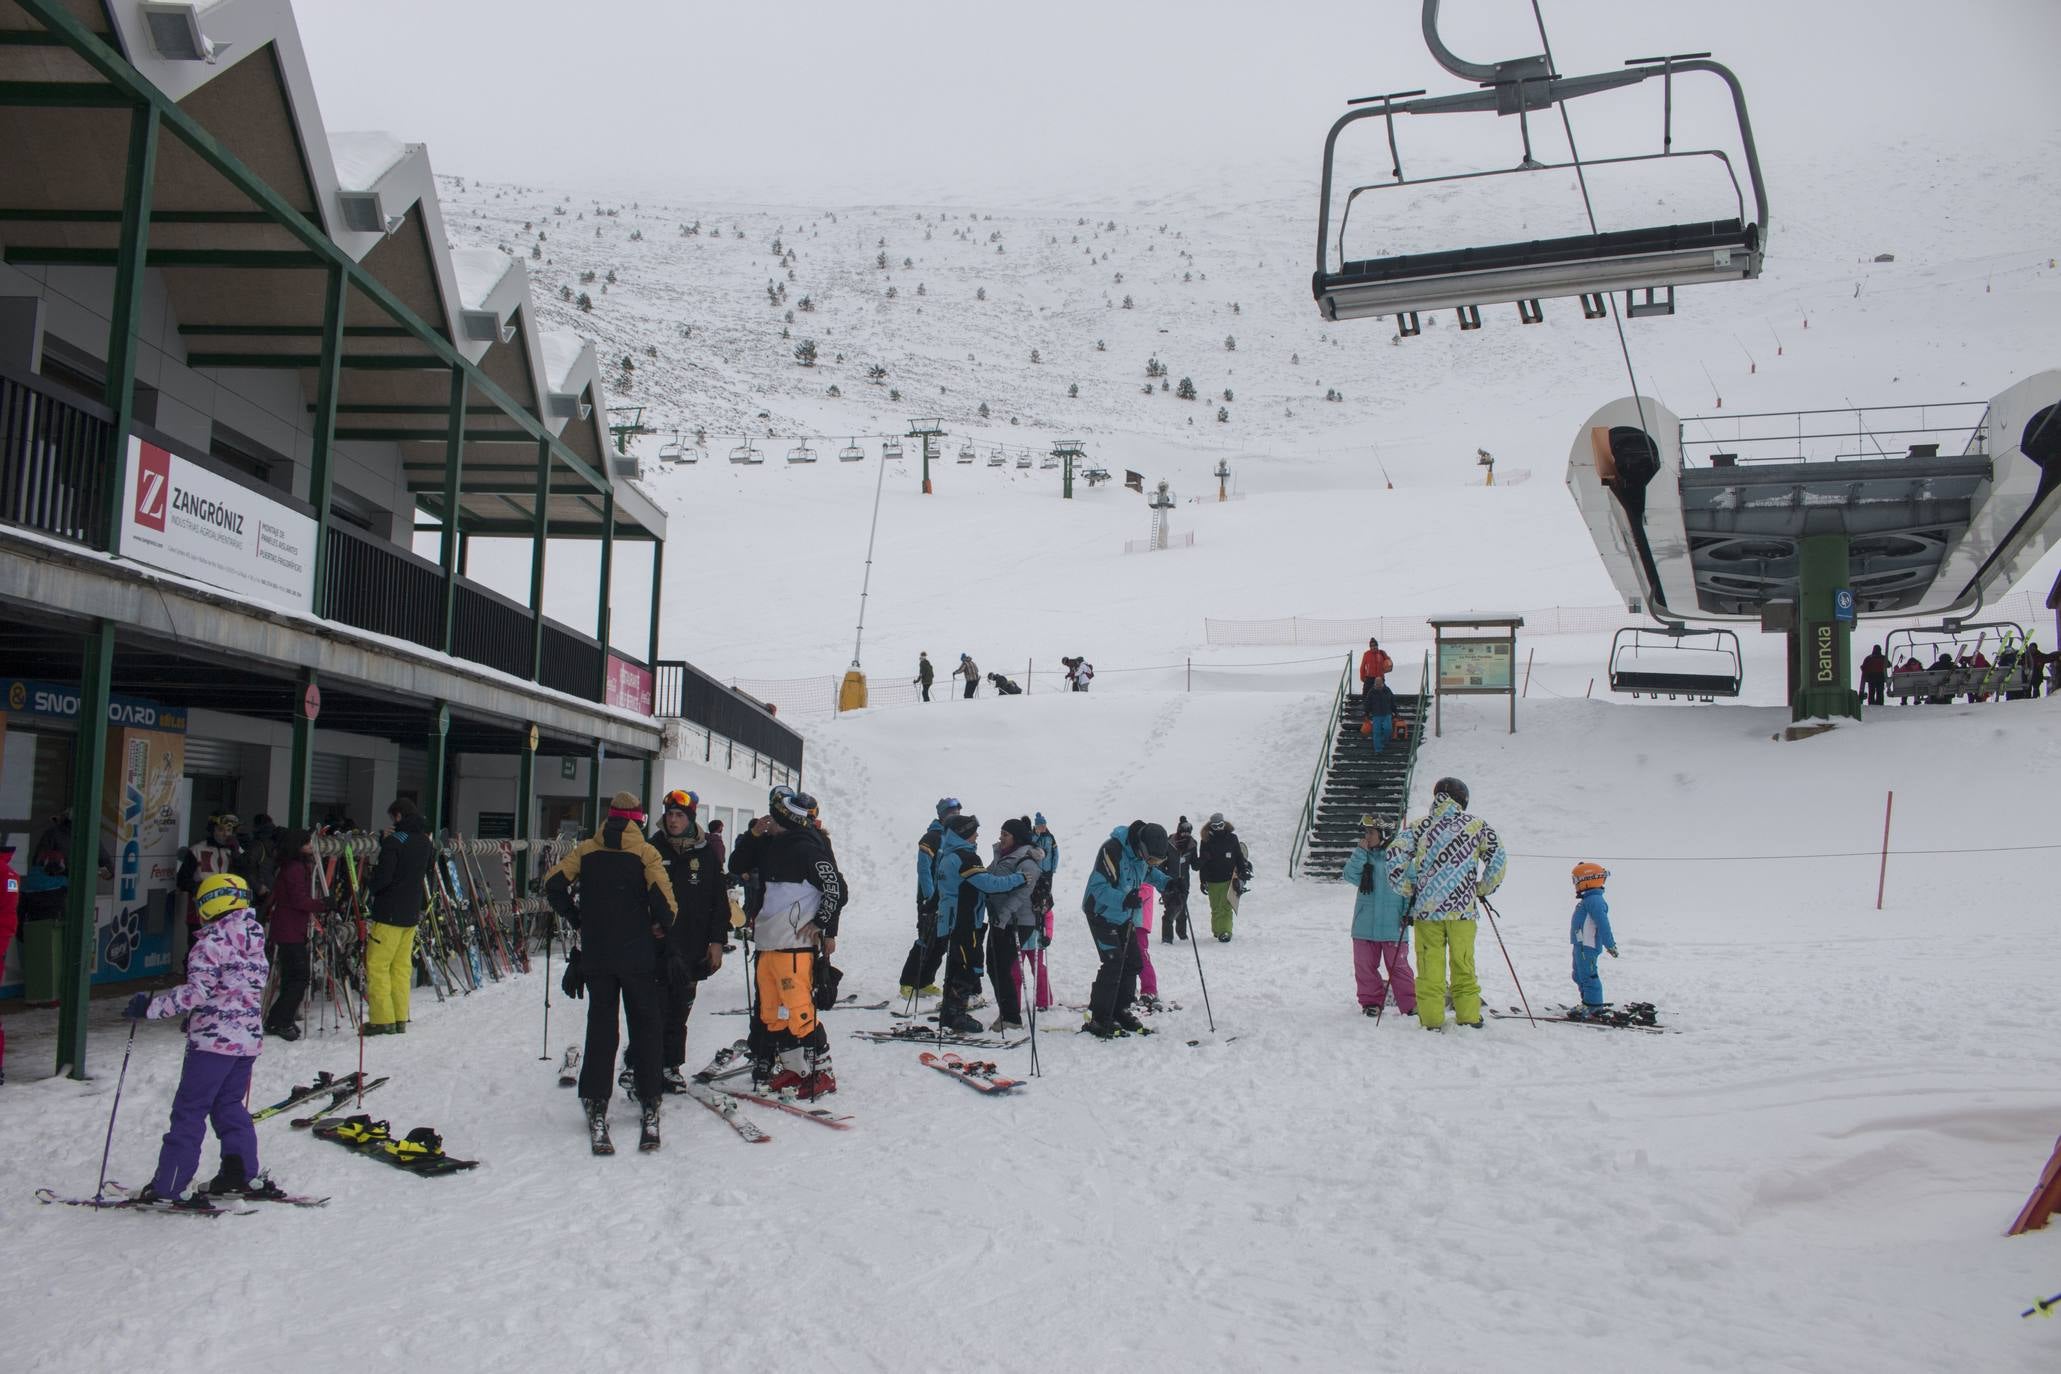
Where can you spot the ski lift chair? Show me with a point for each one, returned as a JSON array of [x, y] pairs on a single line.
[[966, 453], [851, 453], [1990, 638], [801, 453], [745, 453], [997, 459], [891, 451], [1650, 260], [1023, 460], [1654, 662], [669, 451]]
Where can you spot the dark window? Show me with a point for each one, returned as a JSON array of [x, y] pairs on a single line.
[[247, 456], [76, 369]]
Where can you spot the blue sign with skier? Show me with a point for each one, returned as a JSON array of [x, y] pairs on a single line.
[[1842, 605]]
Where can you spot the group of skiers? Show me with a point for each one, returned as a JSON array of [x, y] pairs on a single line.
[[1079, 673], [1432, 877], [1876, 670]]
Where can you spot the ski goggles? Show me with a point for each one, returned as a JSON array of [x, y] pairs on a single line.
[[680, 799]]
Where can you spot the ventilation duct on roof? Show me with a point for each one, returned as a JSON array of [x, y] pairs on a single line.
[[176, 36]]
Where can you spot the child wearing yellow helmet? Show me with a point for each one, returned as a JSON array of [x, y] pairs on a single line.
[[222, 1001], [1590, 933]]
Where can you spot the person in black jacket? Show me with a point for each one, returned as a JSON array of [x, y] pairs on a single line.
[[700, 894], [405, 854], [1180, 868], [624, 914], [1223, 863], [801, 897]]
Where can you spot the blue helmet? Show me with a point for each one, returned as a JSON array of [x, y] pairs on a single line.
[[947, 806]]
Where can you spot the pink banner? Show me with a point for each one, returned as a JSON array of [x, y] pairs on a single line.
[[629, 686]]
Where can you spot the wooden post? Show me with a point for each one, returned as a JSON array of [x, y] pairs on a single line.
[[1882, 878], [1527, 670]]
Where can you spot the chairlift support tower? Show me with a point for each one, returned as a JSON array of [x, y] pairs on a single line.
[[927, 432], [1068, 452], [1649, 261], [1223, 476], [1161, 501]]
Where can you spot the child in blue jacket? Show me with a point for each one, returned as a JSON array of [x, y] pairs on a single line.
[[1590, 932], [1379, 917]]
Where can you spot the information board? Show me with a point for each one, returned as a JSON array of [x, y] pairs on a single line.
[[1475, 665]]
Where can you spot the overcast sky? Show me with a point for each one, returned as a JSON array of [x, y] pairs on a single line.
[[829, 100]]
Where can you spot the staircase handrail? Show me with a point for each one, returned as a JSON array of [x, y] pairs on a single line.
[[1308, 821], [1402, 813]]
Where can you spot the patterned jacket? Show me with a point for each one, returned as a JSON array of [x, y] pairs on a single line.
[[1443, 862], [224, 992]]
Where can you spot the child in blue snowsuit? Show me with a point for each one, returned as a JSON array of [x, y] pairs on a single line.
[[1589, 932]]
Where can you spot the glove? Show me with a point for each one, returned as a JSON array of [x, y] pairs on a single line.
[[1133, 901], [573, 983], [1613, 951], [926, 906], [138, 1007]]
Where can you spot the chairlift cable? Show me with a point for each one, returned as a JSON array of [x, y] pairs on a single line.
[[1588, 205]]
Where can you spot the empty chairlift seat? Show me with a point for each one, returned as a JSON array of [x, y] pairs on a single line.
[[1701, 665]]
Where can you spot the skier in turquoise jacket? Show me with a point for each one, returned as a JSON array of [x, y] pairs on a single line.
[[963, 884], [1130, 858], [1379, 918]]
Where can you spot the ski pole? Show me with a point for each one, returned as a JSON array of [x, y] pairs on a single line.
[[549, 936], [1506, 958], [2042, 1307], [106, 1149], [1195, 943]]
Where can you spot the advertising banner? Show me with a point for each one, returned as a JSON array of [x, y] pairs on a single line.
[[1474, 665], [187, 520], [629, 686], [140, 821]]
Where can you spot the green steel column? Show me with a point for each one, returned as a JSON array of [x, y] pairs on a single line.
[[454, 465], [1824, 642], [607, 580], [321, 468], [89, 764], [540, 541], [658, 565], [594, 788], [433, 784], [126, 312], [303, 756], [525, 807], [650, 803]]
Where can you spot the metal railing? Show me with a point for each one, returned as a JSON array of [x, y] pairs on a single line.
[[571, 663], [382, 587], [1308, 820], [683, 691], [488, 628], [54, 472], [1424, 690]]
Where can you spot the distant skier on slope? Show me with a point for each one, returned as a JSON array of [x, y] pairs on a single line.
[[1180, 870], [925, 674], [1442, 865], [1129, 859], [969, 670], [1223, 861], [1590, 933]]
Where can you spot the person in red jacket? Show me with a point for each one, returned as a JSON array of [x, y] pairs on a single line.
[[294, 907], [10, 895], [1375, 666]]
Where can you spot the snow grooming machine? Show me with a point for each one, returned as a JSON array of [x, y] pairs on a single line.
[[1650, 261]]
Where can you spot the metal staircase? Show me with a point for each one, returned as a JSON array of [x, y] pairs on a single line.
[[1355, 781]]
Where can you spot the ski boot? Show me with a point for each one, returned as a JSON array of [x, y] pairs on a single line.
[[1005, 1025], [764, 1069], [821, 1081], [910, 990], [956, 1019], [793, 1071], [676, 1082], [647, 1127], [1125, 1021], [597, 1126], [230, 1181], [1102, 1030], [1374, 1011]]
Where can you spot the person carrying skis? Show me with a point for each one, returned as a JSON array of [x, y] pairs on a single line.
[[1013, 919], [963, 887], [1041, 905], [1180, 871], [969, 670], [925, 674], [1378, 925], [1590, 933], [1223, 861], [293, 909], [1129, 859], [405, 855], [1375, 666], [701, 895], [1442, 866], [790, 1052], [919, 970], [221, 1002], [624, 913]]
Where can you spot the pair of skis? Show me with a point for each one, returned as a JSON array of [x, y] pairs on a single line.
[[983, 1075], [116, 1197], [1637, 1016], [851, 1003]]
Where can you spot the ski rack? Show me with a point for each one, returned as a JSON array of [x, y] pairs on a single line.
[[1644, 260]]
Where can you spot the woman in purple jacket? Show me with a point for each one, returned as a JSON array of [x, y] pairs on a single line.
[[220, 999]]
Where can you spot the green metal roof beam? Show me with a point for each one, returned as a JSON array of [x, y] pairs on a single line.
[[364, 362], [104, 59], [53, 255], [18, 215], [296, 331], [427, 436]]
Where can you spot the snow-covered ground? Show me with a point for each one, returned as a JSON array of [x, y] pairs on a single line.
[[1814, 1174]]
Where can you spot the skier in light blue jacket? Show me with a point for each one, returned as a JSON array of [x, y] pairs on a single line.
[[1130, 858], [1589, 932], [963, 887]]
